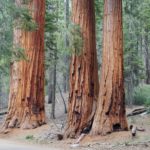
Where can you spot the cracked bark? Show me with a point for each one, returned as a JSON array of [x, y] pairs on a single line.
[[83, 70], [26, 97], [110, 115]]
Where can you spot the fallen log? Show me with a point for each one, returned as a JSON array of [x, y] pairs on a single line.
[[143, 143], [137, 112], [3, 113]]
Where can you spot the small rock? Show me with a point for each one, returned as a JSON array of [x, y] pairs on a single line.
[[74, 145]]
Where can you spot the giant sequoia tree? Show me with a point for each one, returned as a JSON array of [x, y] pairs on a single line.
[[83, 70], [110, 115], [26, 98]]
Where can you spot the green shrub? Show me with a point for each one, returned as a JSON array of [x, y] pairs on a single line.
[[142, 95], [29, 137]]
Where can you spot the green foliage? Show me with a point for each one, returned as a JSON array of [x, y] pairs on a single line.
[[99, 21], [133, 47], [75, 40], [25, 1], [142, 95], [6, 34], [29, 137], [18, 54], [23, 18], [144, 14], [51, 29]]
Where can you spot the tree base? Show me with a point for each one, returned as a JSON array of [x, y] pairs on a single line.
[[108, 126], [26, 121]]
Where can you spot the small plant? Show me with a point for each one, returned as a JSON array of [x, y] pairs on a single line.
[[142, 95], [29, 137], [18, 54]]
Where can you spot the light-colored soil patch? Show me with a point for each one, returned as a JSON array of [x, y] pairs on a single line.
[[47, 135]]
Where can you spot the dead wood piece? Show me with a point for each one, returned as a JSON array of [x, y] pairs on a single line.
[[137, 112], [144, 143], [3, 113], [141, 129]]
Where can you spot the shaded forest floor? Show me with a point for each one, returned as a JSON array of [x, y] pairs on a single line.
[[47, 134]]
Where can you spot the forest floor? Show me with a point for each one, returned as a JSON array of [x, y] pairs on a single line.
[[46, 135]]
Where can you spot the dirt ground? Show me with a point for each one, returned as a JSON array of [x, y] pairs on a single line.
[[46, 134]]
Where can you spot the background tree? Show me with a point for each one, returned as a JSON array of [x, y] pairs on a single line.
[[66, 57], [55, 33], [133, 49], [145, 23], [51, 50], [5, 49]]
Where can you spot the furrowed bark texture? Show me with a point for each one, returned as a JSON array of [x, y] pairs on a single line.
[[83, 70], [110, 115], [26, 98]]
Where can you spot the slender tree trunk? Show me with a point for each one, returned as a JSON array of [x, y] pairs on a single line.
[[66, 58], [64, 82], [50, 86], [110, 115], [54, 86], [65, 107], [26, 98], [83, 70], [1, 91]]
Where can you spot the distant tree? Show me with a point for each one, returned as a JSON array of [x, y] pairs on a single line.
[[51, 17], [133, 48], [6, 35], [84, 82], [110, 115], [26, 98], [144, 18], [66, 57]]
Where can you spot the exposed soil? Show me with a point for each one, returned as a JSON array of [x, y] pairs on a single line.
[[47, 134]]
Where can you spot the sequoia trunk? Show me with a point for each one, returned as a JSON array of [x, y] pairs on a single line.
[[110, 115], [26, 98], [83, 70]]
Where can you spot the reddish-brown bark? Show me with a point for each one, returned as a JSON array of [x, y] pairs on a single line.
[[83, 70], [26, 98], [110, 115]]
